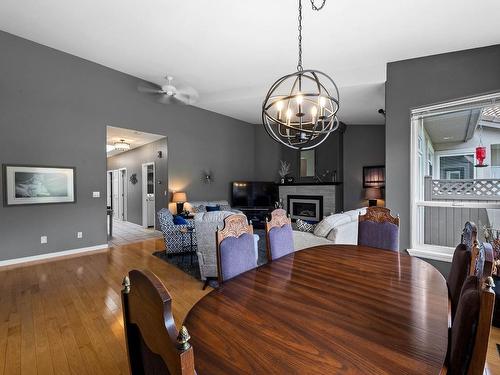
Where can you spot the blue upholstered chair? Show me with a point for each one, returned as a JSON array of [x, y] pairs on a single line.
[[279, 236], [377, 228], [174, 239], [236, 250]]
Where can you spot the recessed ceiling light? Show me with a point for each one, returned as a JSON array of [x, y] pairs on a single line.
[[109, 148], [446, 138]]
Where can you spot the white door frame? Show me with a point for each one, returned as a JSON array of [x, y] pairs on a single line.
[[144, 192], [122, 194]]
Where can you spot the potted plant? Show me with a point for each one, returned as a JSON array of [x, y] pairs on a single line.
[[284, 170]]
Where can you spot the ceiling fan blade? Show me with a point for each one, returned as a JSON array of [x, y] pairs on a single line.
[[149, 88], [186, 99], [170, 99], [188, 92]]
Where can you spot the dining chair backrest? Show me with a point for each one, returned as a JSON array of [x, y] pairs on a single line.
[[482, 259], [459, 271], [279, 235], [469, 235], [469, 334], [235, 247], [378, 228], [154, 344]]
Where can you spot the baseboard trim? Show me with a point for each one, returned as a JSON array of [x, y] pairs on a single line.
[[52, 256]]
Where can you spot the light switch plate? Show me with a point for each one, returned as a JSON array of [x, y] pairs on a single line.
[[79, 235], [96, 194], [43, 239]]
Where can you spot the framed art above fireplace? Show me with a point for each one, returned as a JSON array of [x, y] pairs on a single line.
[[27, 184]]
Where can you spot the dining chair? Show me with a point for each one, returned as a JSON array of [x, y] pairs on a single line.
[[279, 235], [459, 271], [469, 334], [236, 250], [482, 259], [377, 228], [469, 235], [154, 344]]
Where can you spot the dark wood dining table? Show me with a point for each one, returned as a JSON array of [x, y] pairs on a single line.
[[333, 309]]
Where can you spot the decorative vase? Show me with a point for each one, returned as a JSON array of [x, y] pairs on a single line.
[[282, 181]]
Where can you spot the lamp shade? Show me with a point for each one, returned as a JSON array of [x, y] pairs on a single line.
[[179, 197], [373, 193]]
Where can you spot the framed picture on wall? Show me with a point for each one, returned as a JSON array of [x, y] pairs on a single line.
[[374, 176], [26, 184]]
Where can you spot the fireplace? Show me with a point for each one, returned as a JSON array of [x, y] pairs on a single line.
[[305, 207]]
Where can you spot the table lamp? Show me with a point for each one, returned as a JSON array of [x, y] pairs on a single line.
[[372, 194], [179, 198]]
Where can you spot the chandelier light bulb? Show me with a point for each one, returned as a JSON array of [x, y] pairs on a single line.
[[314, 112], [299, 98], [279, 106]]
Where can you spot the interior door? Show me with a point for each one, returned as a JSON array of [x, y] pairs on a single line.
[[115, 203]]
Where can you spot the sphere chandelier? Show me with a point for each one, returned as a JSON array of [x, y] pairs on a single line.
[[300, 109]]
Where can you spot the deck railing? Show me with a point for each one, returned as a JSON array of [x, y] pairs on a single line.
[[480, 189]]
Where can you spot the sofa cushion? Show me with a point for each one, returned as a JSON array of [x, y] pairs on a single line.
[[354, 214], [346, 234], [199, 208], [326, 225], [302, 240]]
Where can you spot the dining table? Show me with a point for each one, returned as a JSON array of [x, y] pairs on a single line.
[[329, 309]]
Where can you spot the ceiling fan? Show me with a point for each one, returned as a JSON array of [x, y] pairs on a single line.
[[170, 93]]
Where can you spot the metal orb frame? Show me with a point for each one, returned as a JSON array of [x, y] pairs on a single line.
[[301, 119]]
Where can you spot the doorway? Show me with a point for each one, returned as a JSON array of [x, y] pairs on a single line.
[[116, 197], [148, 195]]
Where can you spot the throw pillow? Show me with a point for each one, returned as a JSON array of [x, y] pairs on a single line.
[[212, 208], [179, 220], [304, 226], [200, 208]]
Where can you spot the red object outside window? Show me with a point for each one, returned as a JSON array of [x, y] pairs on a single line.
[[480, 156]]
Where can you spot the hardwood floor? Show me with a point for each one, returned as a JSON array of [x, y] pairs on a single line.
[[64, 316]]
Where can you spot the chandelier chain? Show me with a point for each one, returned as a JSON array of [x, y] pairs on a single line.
[[299, 64], [314, 7]]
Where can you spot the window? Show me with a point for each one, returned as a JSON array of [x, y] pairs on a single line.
[[456, 167], [495, 161]]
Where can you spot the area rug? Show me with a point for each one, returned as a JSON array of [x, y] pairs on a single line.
[[190, 266]]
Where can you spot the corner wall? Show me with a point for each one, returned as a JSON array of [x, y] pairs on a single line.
[[54, 108], [364, 145]]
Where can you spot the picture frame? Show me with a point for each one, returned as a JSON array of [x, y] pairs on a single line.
[[34, 184], [374, 176]]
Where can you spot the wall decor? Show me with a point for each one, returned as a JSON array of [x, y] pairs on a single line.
[[26, 184], [133, 178], [374, 176], [207, 177]]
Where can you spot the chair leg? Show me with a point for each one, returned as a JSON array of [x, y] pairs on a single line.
[[206, 284]]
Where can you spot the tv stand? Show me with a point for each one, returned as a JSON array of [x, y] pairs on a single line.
[[257, 215]]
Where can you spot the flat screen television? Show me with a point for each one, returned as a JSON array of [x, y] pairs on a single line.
[[254, 194]]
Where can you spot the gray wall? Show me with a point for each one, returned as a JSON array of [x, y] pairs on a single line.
[[419, 82], [133, 160], [267, 156], [54, 108], [364, 145]]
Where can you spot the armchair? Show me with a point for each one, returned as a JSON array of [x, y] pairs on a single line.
[[172, 232]]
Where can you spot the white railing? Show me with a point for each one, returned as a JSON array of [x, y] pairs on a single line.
[[481, 189]]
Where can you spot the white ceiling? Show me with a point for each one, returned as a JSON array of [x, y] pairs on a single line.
[[232, 51], [133, 137]]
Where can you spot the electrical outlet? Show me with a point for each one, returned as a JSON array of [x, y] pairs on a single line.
[[43, 239], [79, 235], [96, 194]]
